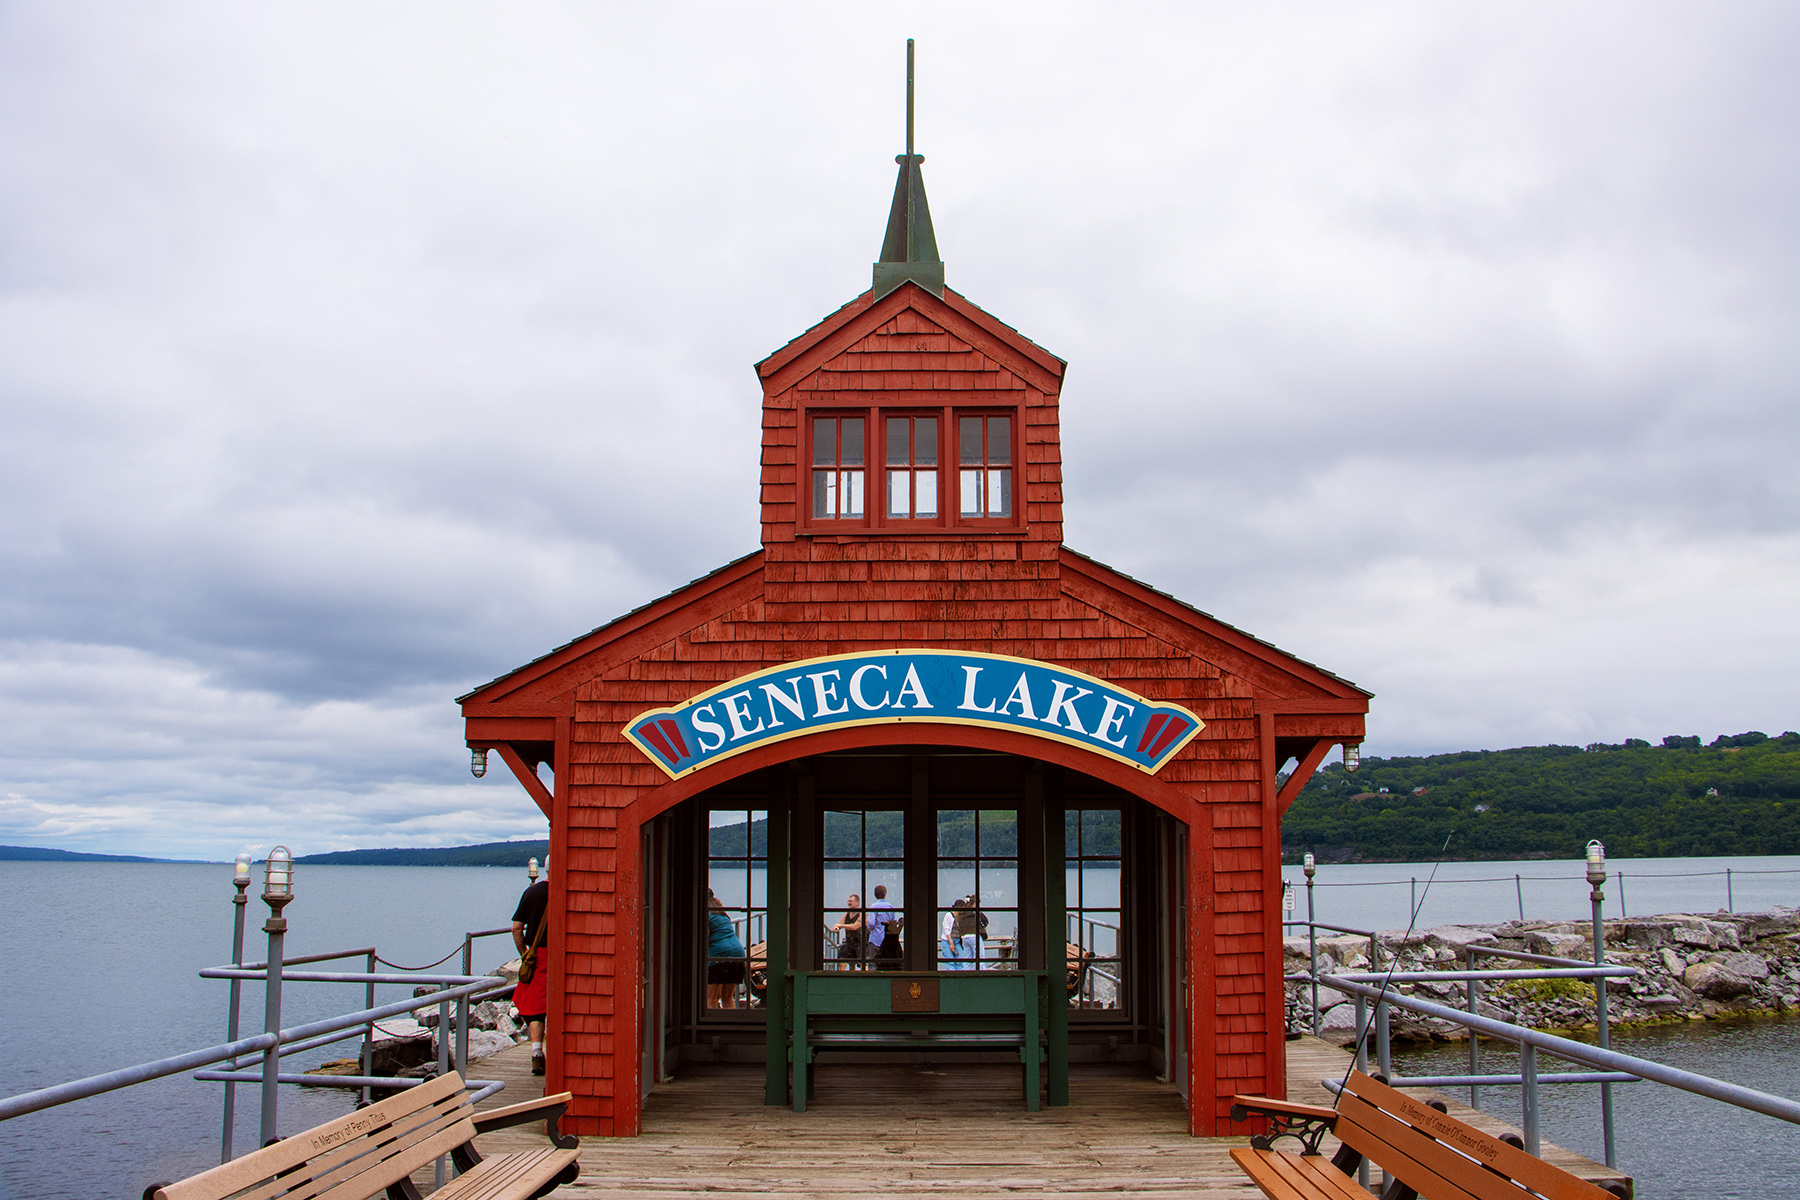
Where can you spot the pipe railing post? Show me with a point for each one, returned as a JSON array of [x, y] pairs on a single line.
[[1474, 989], [443, 1064], [1730, 904], [1519, 889], [1362, 1064], [368, 1043], [1528, 1069], [1384, 1054], [276, 928]]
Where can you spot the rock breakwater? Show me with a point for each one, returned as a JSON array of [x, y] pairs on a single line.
[[1690, 967]]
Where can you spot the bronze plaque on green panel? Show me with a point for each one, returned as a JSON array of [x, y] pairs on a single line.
[[915, 995]]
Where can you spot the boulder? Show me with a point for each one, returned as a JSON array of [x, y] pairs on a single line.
[[1716, 981], [1672, 962], [1559, 944], [1455, 937], [1698, 931], [483, 1042], [1754, 927], [1751, 966]]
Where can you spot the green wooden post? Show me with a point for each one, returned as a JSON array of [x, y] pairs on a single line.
[[1056, 939], [776, 963]]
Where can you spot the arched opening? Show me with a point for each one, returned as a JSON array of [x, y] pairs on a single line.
[[987, 861]]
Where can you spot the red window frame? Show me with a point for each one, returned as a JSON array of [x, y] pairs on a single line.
[[875, 466], [830, 475], [916, 459], [991, 464]]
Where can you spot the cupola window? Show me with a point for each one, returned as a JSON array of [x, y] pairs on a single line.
[[986, 461], [912, 476], [837, 468]]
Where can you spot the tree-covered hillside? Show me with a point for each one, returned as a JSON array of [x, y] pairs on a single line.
[[488, 854], [1738, 795]]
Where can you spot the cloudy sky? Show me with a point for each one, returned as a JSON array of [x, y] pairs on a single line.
[[351, 355]]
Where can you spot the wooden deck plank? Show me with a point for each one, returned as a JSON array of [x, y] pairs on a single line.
[[940, 1131]]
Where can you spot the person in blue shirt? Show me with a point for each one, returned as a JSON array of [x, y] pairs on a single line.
[[884, 931], [724, 955]]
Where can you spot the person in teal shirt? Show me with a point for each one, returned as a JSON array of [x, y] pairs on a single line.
[[724, 955]]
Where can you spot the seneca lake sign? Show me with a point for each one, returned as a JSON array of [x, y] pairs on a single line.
[[896, 686]]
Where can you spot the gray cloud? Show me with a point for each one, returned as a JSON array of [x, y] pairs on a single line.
[[350, 358]]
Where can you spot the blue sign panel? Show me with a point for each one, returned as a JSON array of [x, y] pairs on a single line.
[[898, 686]]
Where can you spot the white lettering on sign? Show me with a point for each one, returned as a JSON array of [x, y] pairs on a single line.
[[899, 685]]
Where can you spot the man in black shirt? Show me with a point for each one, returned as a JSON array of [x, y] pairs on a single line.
[[532, 997]]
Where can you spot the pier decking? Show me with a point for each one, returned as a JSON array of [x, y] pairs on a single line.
[[941, 1131]]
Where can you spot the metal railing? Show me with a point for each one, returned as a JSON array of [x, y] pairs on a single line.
[[1546, 967], [1084, 932], [275, 1043], [1604, 1066], [1607, 1064]]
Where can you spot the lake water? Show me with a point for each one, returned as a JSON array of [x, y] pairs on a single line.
[[105, 959]]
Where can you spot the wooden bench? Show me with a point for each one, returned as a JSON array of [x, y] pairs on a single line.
[[1424, 1151], [377, 1148], [887, 1011]]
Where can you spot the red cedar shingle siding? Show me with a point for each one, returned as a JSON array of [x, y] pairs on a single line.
[[1018, 593]]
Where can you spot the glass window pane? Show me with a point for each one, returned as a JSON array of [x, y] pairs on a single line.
[[971, 493], [999, 497], [887, 835], [1072, 832], [925, 441], [843, 834], [999, 886], [897, 442], [892, 877], [897, 499], [999, 833], [971, 440], [730, 835], [853, 493], [850, 448], [956, 833], [1100, 831], [824, 495], [925, 487], [824, 441], [999, 447]]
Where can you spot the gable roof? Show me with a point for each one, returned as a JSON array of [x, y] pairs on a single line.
[[865, 314]]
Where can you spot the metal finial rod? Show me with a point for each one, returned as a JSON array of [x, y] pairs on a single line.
[[909, 97]]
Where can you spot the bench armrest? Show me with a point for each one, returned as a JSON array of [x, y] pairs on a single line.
[[548, 1110], [1305, 1123]]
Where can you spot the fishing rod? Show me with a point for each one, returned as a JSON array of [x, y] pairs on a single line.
[[1362, 1031]]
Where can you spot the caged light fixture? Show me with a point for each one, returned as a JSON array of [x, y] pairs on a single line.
[[1352, 756], [478, 762]]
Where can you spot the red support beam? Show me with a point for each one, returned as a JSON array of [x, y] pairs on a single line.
[[529, 778], [1302, 773]]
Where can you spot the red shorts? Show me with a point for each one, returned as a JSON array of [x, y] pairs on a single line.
[[533, 999]]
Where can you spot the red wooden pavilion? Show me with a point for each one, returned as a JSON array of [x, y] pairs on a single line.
[[912, 503]]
